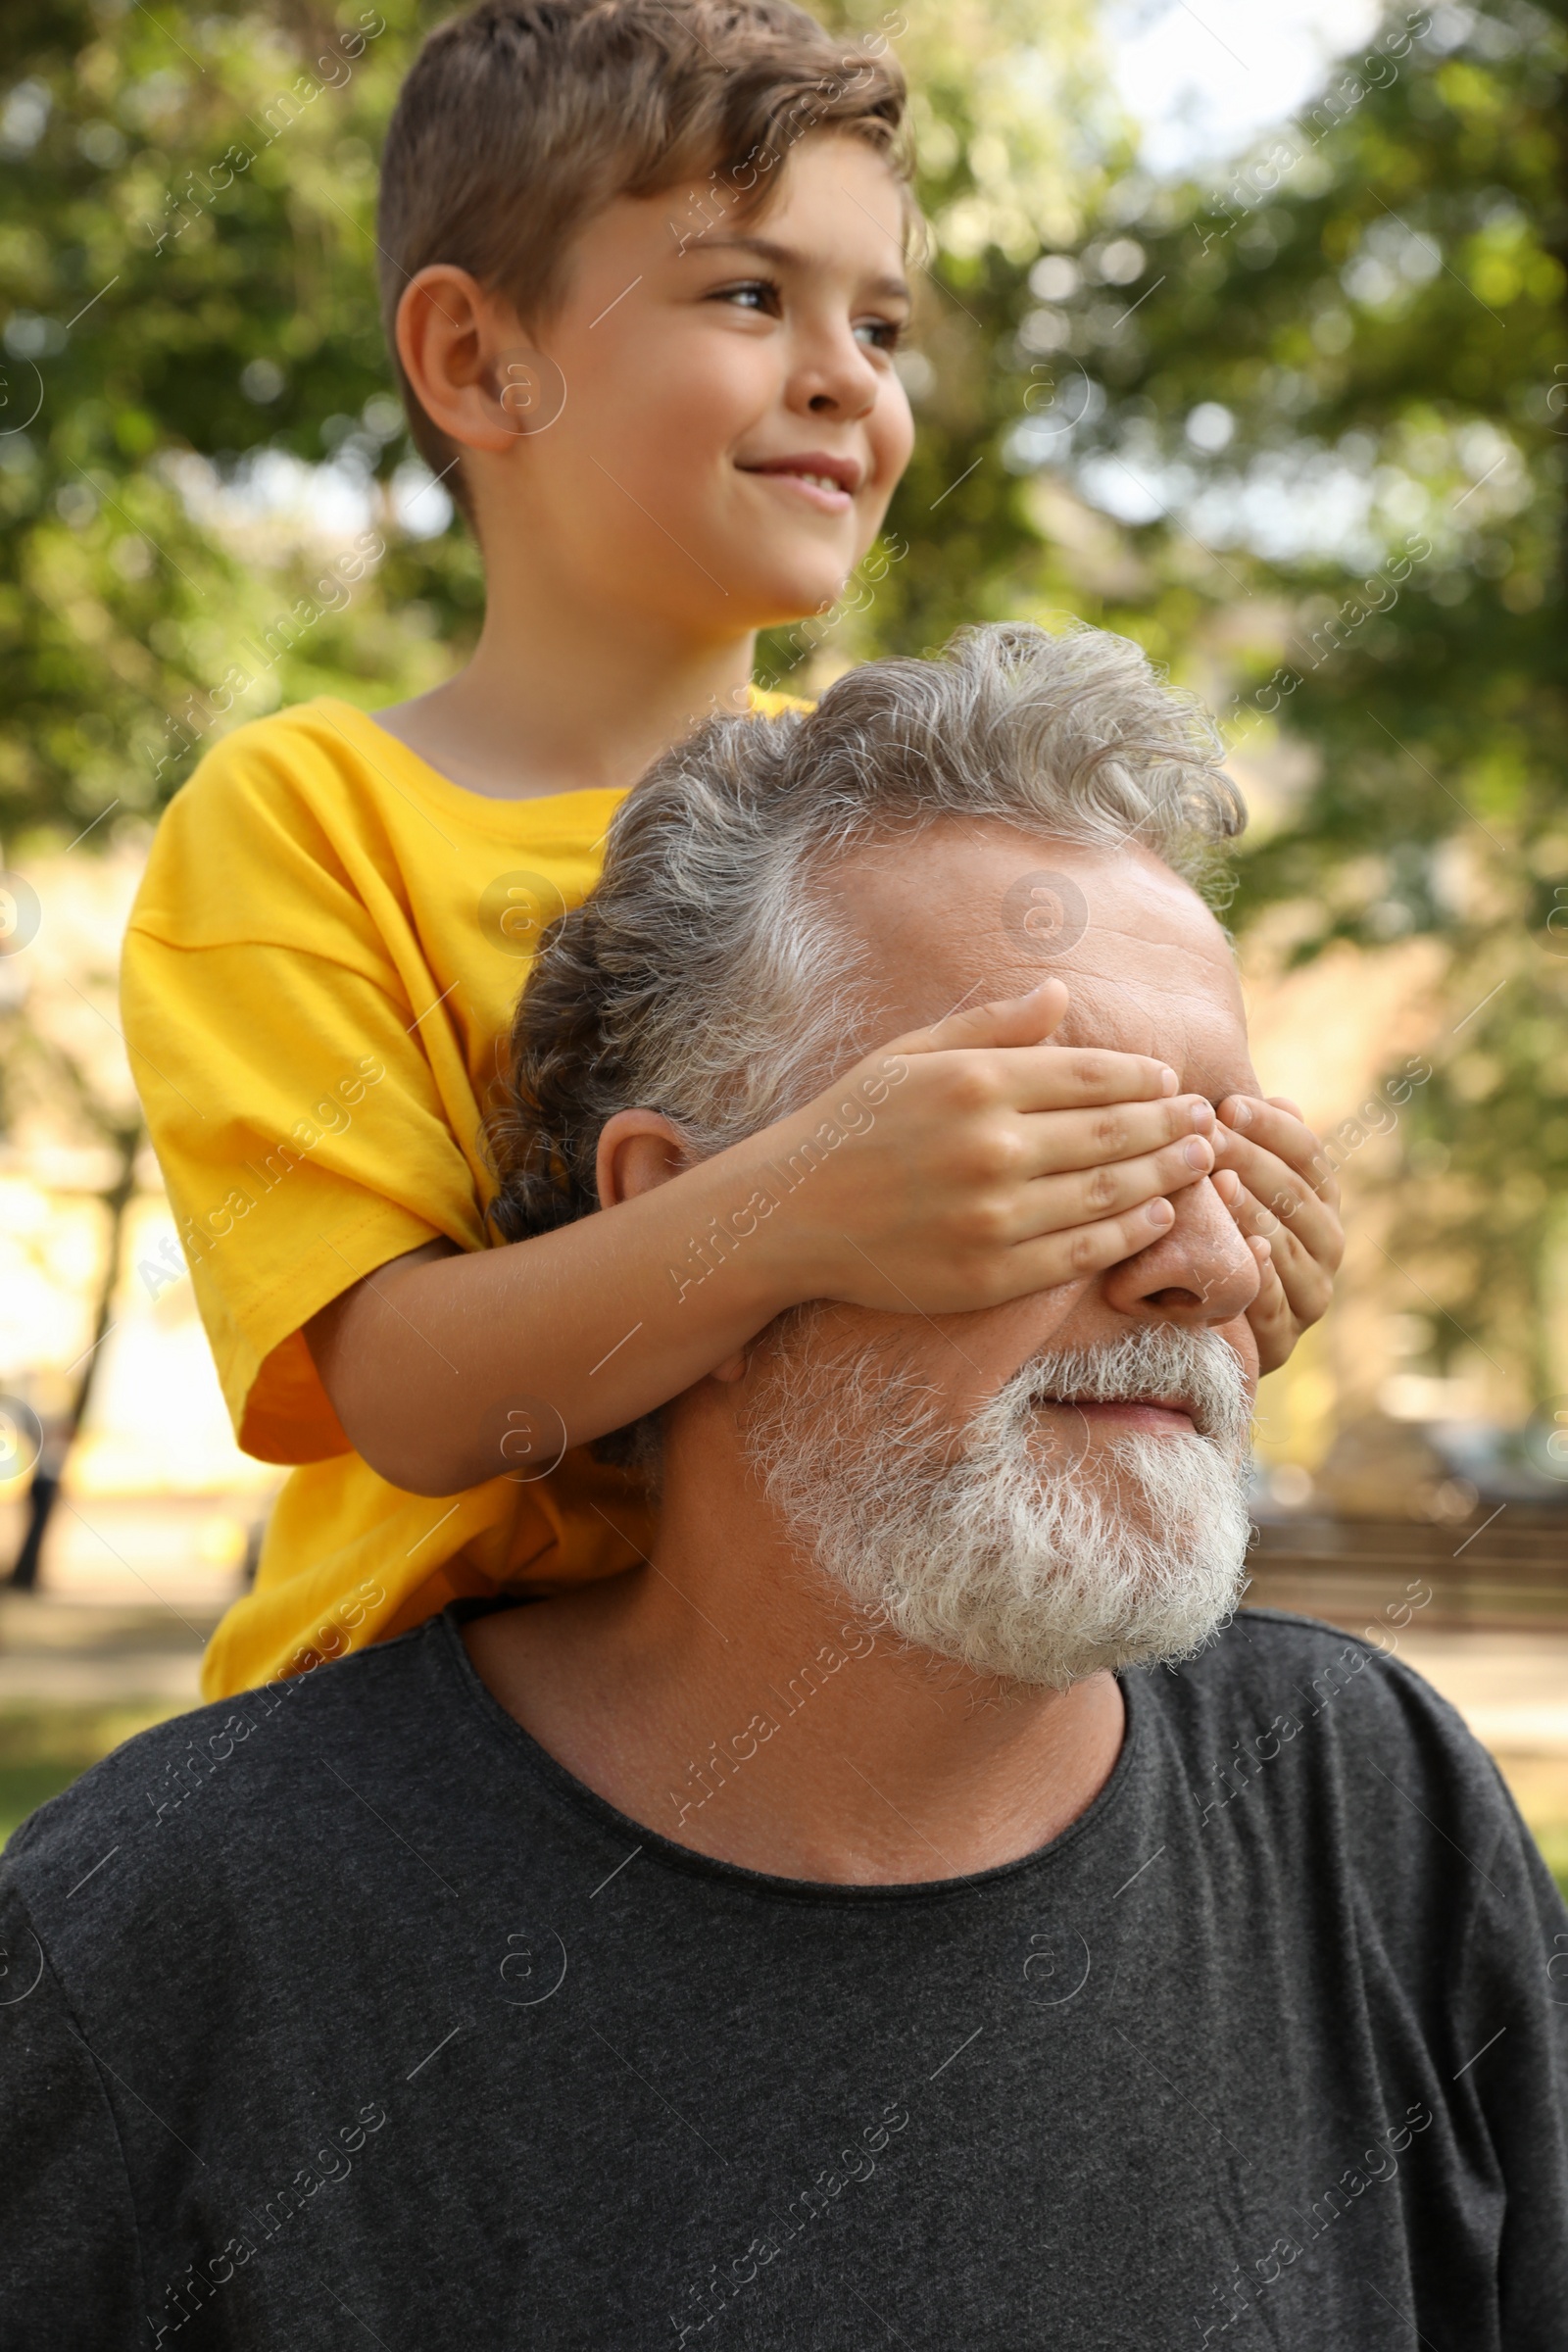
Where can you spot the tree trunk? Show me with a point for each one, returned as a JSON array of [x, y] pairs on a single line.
[[43, 1490]]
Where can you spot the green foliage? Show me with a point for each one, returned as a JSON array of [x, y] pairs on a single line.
[[1153, 425], [1397, 302], [1136, 402], [188, 282]]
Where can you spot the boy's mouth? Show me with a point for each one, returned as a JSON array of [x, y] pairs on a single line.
[[828, 484]]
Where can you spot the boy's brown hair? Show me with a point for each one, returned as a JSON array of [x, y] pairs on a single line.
[[523, 120]]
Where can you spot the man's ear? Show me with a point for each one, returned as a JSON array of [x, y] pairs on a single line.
[[637, 1150]]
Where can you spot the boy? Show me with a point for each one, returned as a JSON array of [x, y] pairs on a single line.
[[642, 270]]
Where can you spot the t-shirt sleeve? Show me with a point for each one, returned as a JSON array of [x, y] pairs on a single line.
[[301, 1115], [1511, 2067], [71, 2271], [302, 1146]]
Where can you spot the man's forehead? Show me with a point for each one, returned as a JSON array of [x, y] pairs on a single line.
[[962, 913]]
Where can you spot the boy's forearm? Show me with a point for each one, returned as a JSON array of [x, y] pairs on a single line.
[[449, 1367]]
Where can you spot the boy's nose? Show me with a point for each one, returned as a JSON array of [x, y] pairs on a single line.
[[838, 383], [1199, 1272]]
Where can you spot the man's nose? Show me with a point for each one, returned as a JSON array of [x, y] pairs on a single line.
[[1199, 1272]]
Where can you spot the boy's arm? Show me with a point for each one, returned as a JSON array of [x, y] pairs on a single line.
[[972, 1164]]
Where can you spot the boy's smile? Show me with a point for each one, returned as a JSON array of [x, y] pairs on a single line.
[[827, 482], [768, 425], [729, 425], [695, 437]]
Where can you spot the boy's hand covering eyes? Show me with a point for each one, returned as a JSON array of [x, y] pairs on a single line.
[[1274, 1178], [993, 1163]]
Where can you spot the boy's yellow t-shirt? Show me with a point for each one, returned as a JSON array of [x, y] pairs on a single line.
[[318, 976]]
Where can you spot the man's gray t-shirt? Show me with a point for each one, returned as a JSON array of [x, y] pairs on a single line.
[[340, 2015]]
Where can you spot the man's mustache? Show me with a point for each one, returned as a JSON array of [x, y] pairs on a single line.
[[1163, 1365]]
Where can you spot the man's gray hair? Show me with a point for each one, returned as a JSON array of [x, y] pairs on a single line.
[[707, 977]]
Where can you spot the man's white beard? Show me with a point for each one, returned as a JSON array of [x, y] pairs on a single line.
[[1038, 1562]]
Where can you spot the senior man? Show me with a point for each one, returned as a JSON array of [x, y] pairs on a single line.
[[914, 1908]]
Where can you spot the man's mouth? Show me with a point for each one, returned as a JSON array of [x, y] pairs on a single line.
[[1159, 1381], [824, 482], [1174, 1415]]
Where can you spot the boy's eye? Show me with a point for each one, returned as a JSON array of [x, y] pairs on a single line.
[[766, 298], [755, 294]]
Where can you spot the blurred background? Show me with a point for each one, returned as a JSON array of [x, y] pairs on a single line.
[[1242, 333]]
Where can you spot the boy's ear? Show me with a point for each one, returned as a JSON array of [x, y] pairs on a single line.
[[471, 366], [529, 388], [637, 1151]]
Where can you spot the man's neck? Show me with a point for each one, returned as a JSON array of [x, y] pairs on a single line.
[[567, 692], [725, 1698]]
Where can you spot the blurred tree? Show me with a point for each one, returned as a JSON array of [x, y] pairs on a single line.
[[1302, 430], [57, 1435], [188, 294], [195, 400], [1299, 430], [67, 1098], [188, 314], [1348, 363], [188, 297]]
